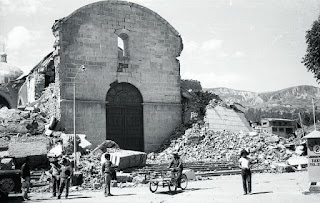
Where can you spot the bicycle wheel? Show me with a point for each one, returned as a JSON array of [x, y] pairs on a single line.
[[153, 186], [173, 186], [184, 182]]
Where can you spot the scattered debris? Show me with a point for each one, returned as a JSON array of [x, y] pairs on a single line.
[[200, 144]]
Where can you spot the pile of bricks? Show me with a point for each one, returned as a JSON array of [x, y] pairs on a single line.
[[20, 123], [48, 103], [30, 120], [199, 144]]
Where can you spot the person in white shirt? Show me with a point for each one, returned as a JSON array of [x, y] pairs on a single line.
[[244, 164]]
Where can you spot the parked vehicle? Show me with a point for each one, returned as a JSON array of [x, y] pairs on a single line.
[[10, 182]]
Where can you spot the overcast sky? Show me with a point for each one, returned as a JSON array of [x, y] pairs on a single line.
[[254, 45]]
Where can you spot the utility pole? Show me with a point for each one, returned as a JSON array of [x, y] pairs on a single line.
[[314, 115], [81, 68], [301, 122]]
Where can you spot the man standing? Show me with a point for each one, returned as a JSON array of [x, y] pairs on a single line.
[[107, 171], [244, 164], [177, 168], [55, 176], [65, 175], [25, 175]]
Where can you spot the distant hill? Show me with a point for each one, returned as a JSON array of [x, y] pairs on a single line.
[[299, 95], [285, 103]]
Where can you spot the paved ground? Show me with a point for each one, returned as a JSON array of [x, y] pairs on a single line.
[[282, 188]]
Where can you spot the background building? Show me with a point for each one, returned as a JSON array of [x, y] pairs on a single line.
[[8, 91], [130, 89], [279, 126]]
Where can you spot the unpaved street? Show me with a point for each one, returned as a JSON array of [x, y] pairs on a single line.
[[289, 187]]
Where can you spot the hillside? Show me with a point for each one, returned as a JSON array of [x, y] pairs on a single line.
[[285, 103], [293, 96]]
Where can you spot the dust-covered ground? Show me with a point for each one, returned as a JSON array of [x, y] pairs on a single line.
[[287, 187]]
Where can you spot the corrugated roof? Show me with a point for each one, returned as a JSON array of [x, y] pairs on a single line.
[[43, 63]]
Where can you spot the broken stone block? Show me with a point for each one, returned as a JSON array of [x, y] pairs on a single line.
[[52, 123], [189, 173], [84, 143], [48, 132], [24, 149], [128, 159], [55, 151], [105, 145]]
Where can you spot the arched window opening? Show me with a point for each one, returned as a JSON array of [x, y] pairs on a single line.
[[120, 47], [123, 46], [123, 53]]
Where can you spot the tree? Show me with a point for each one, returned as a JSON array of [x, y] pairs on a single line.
[[312, 58]]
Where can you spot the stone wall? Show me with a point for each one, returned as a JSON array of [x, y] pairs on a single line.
[[222, 118], [88, 37]]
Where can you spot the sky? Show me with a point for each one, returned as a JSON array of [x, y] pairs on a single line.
[[253, 45]]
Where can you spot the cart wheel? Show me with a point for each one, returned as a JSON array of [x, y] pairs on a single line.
[[184, 182], [172, 186], [153, 186]]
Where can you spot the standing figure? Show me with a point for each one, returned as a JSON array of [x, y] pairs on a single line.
[[244, 163], [55, 177], [107, 171], [177, 168], [65, 175], [25, 175]]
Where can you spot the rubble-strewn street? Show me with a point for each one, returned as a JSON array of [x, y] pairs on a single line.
[[277, 188]]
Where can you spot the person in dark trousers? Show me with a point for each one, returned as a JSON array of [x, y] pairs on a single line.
[[55, 177], [244, 163], [65, 175], [107, 171], [176, 168], [25, 178]]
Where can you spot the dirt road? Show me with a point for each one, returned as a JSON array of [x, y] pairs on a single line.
[[288, 187]]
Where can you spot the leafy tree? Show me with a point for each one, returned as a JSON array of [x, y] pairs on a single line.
[[312, 58]]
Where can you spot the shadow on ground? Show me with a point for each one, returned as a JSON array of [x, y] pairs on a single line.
[[259, 193], [15, 199], [62, 198], [119, 195], [181, 191]]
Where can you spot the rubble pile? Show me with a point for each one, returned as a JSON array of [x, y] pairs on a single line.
[[200, 144], [14, 121], [47, 103]]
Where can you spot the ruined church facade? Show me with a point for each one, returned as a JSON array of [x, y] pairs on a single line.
[[122, 60]]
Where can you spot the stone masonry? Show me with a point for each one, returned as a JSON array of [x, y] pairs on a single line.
[[89, 38]]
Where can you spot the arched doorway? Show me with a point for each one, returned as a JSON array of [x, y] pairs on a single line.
[[125, 116], [4, 102]]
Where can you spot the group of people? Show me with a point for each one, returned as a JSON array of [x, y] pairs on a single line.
[[61, 172], [244, 163], [176, 167]]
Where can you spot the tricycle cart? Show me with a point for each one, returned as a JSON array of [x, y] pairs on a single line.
[[164, 178]]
